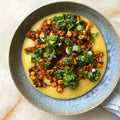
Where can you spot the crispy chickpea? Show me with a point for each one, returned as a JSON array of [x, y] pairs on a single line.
[[49, 21], [36, 43], [60, 33], [97, 52], [39, 84], [37, 35], [43, 46], [88, 38], [50, 71], [41, 60], [60, 82], [84, 67], [39, 72], [44, 85], [82, 46], [28, 33], [51, 34], [60, 63], [36, 70], [90, 66], [41, 76], [98, 65], [77, 18], [59, 89], [66, 67], [84, 32], [54, 79], [43, 72], [74, 39], [86, 72], [42, 34], [33, 77], [87, 27], [69, 34], [32, 73], [45, 23], [54, 84], [89, 23], [75, 33], [75, 61], [99, 59], [78, 41]]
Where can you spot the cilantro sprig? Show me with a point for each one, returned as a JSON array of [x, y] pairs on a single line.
[[93, 35]]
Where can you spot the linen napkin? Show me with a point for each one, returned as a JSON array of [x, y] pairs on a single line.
[[112, 104]]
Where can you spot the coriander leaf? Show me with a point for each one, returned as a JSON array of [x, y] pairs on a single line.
[[87, 57], [65, 22], [67, 60], [81, 60], [47, 65], [38, 53], [40, 41], [69, 42], [45, 54], [33, 58], [93, 76], [59, 74], [69, 79], [82, 72], [52, 43], [94, 35], [80, 22]]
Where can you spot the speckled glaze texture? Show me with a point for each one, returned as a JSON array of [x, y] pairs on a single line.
[[85, 102]]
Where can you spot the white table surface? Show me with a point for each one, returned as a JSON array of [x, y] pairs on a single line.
[[12, 105]]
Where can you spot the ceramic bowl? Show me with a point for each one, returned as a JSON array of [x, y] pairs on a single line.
[[85, 102]]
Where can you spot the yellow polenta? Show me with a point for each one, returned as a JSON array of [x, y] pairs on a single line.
[[85, 85]]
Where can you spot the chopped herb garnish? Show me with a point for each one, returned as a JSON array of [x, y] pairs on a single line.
[[46, 54], [40, 41], [38, 53], [69, 43], [69, 78], [52, 43], [93, 76], [82, 72], [86, 58], [94, 35], [68, 22], [47, 65], [67, 60]]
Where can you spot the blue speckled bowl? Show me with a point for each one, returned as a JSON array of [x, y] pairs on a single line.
[[87, 101]]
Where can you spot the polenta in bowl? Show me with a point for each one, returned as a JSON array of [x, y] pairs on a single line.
[[64, 55]]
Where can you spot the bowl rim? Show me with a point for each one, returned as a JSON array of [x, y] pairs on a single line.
[[96, 104]]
